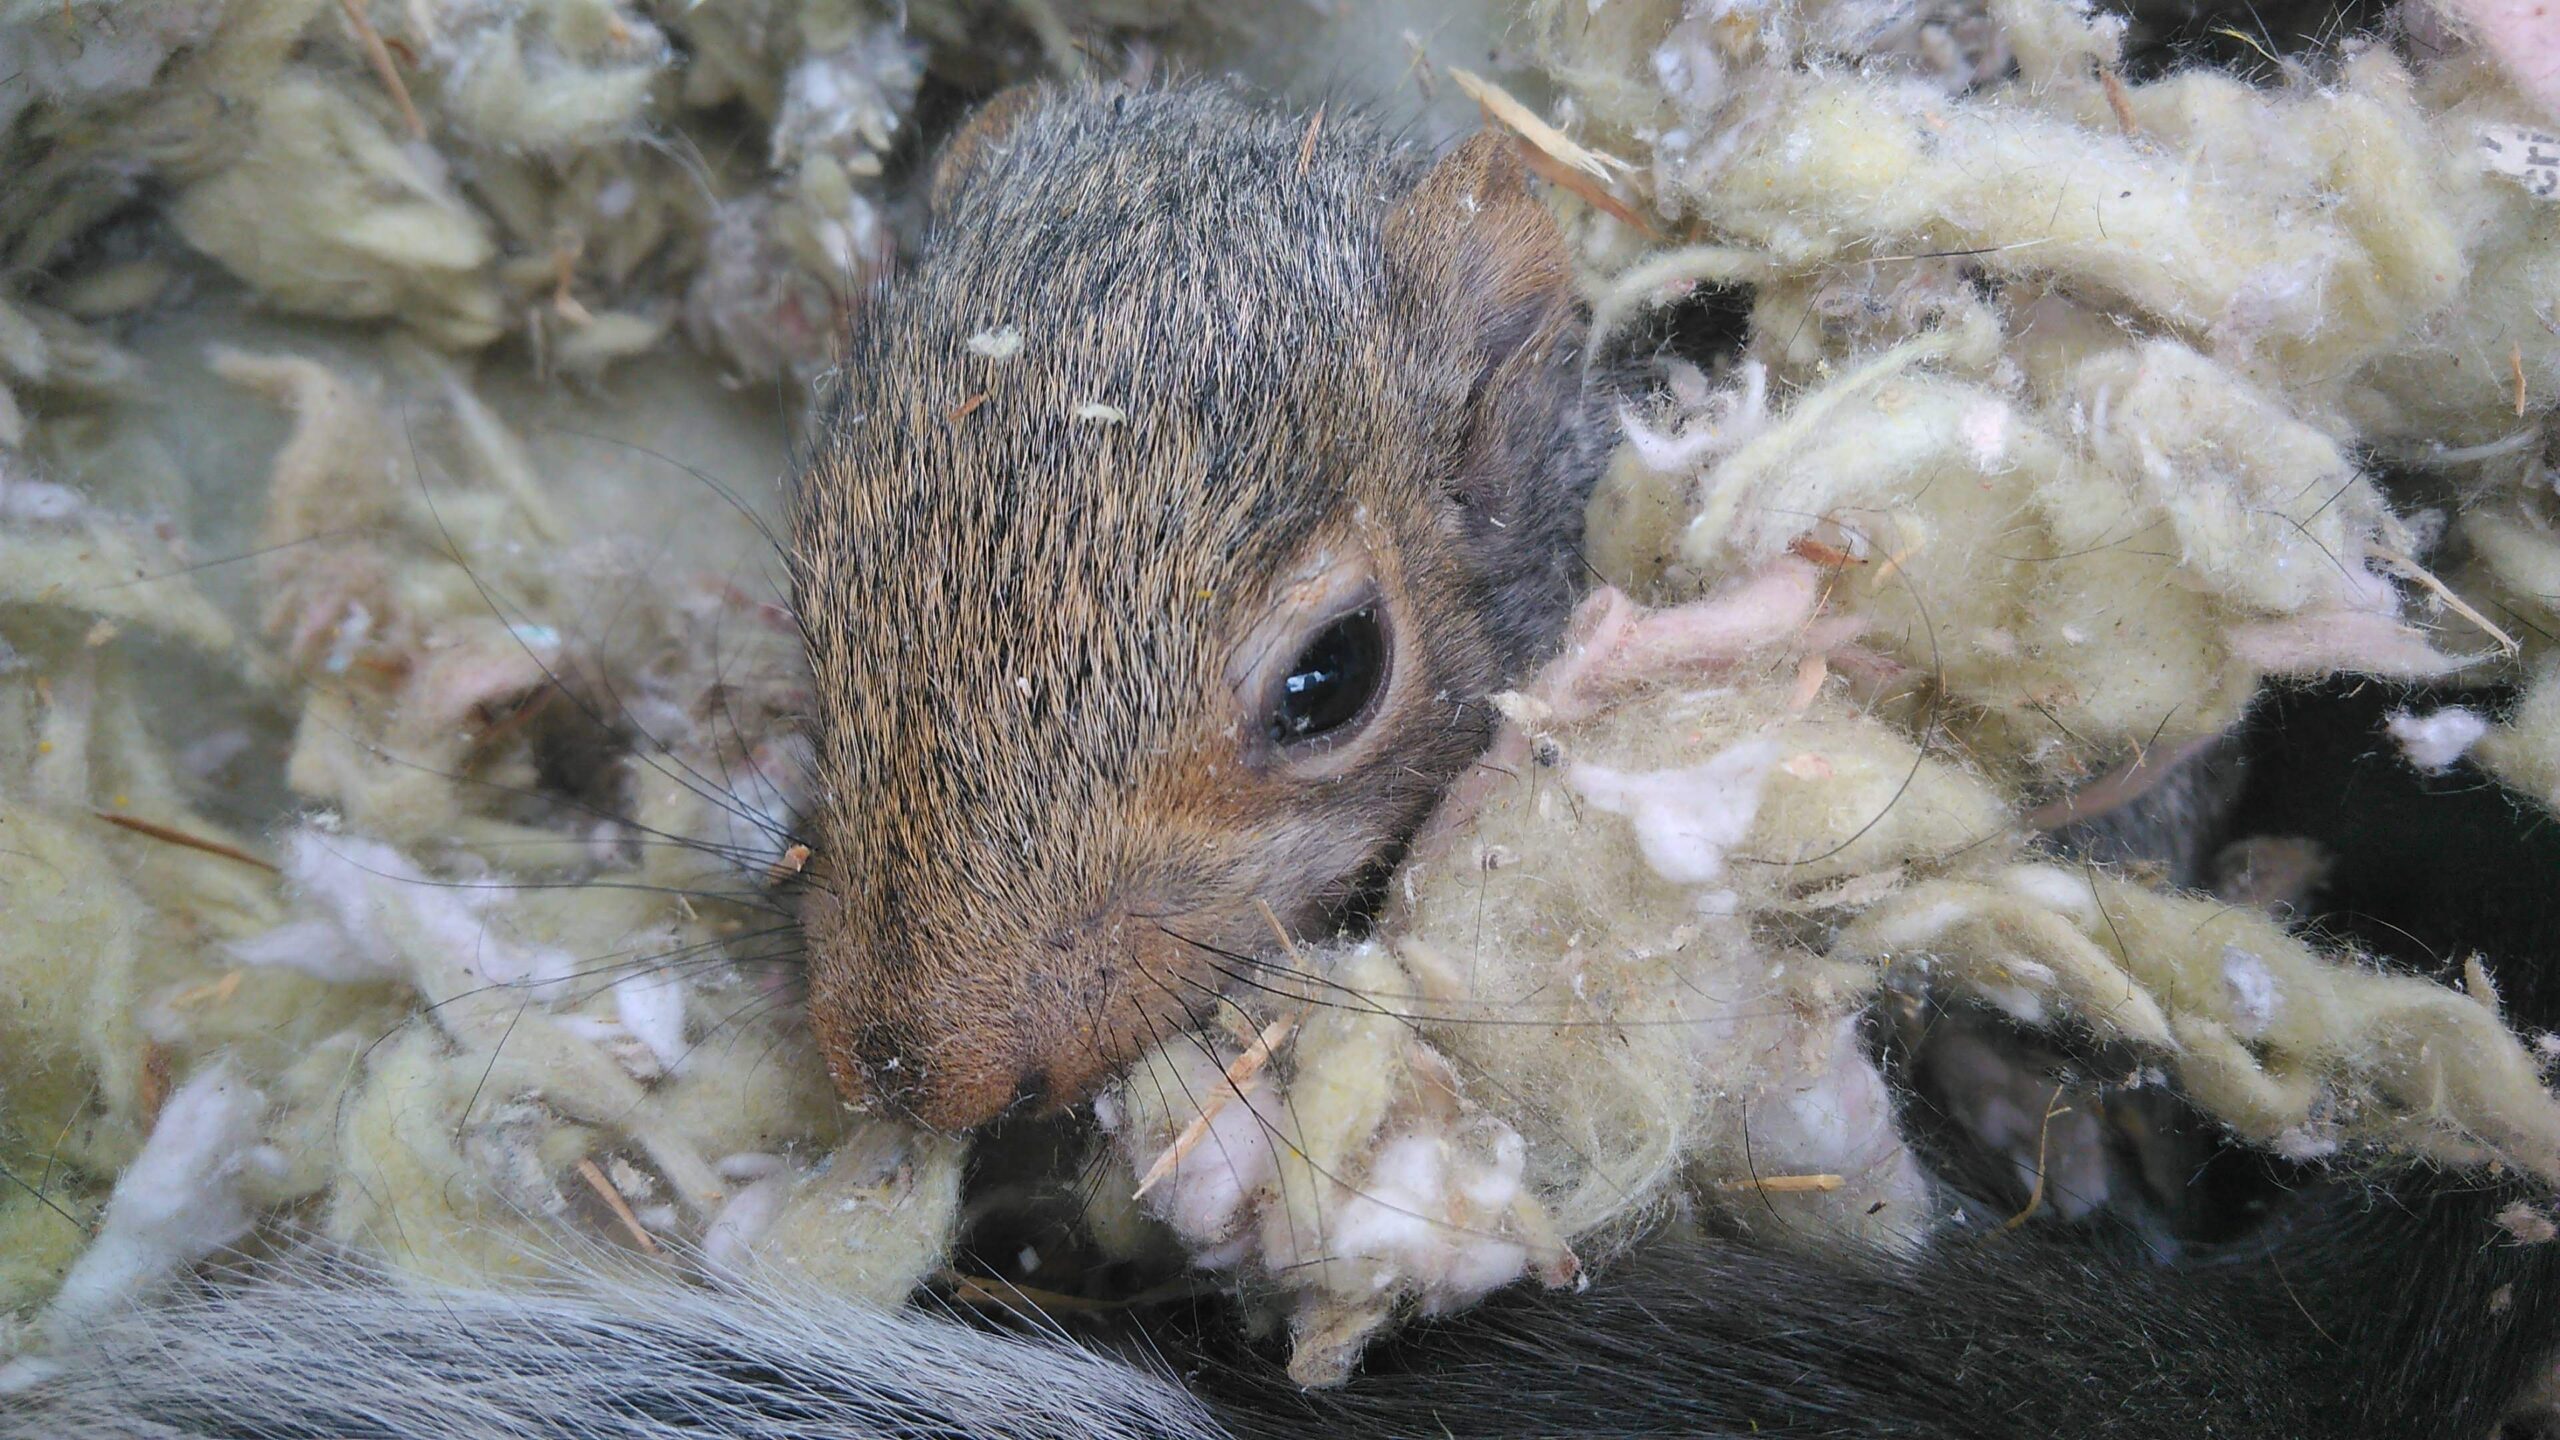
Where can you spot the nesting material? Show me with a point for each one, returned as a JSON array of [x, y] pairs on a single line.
[[2049, 438], [2434, 741], [2153, 309], [1625, 970], [553, 170], [178, 1201], [2063, 580], [2069, 409], [2514, 544], [508, 995]]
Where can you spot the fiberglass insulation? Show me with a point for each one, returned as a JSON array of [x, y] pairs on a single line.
[[341, 339]]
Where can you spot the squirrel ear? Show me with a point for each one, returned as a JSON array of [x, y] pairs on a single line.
[[1474, 245], [1475, 261], [977, 141]]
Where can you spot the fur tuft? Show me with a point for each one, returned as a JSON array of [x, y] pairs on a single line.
[[290, 1356]]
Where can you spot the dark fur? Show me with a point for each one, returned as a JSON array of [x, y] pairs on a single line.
[[1994, 1337], [2357, 1314]]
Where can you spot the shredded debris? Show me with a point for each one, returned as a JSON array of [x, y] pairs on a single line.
[[2074, 401], [1647, 971]]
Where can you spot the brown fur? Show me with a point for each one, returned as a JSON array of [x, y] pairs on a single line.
[[1048, 799]]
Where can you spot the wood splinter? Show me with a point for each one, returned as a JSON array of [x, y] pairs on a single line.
[[606, 1191], [378, 55], [1243, 1068], [791, 862], [1788, 1184], [171, 835]]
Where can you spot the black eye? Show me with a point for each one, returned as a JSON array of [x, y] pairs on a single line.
[[1333, 679]]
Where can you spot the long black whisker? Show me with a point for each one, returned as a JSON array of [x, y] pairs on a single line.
[[737, 857], [1367, 1000], [692, 780], [1477, 1072], [709, 481]]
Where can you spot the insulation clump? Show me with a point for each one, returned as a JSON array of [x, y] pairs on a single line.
[[2152, 309], [558, 172], [1637, 949], [478, 1014]]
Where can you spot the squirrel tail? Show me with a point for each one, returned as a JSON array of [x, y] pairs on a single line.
[[2376, 1319]]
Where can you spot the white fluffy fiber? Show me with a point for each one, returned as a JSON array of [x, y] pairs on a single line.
[[180, 1201]]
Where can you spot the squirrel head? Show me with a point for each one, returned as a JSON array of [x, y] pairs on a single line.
[[1172, 520]]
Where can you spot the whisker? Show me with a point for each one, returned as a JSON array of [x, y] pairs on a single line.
[[690, 957], [201, 566], [709, 481], [690, 778], [741, 858], [1368, 999], [750, 899]]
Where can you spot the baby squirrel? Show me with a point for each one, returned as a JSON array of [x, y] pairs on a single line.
[[1169, 525]]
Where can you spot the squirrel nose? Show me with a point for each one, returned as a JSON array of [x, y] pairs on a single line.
[[953, 1027], [957, 1099], [955, 1072]]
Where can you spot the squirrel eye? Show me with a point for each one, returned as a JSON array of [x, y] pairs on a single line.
[[1332, 682]]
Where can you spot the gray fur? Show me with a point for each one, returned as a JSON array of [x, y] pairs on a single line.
[[291, 1355]]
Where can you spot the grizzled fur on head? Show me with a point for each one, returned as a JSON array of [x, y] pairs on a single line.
[[1268, 368]]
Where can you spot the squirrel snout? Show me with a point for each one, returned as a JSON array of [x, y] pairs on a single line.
[[954, 1033]]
